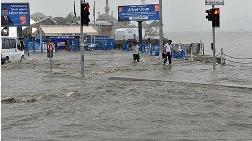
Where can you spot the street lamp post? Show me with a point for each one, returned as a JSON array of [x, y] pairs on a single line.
[[161, 39], [82, 43]]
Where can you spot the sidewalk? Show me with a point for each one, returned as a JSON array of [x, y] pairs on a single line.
[[189, 72], [119, 64]]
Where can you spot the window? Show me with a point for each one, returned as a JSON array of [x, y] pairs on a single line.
[[8, 43]]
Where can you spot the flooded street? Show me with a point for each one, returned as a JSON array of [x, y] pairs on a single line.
[[119, 100]]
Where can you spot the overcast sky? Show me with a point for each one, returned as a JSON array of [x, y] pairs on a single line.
[[179, 15]]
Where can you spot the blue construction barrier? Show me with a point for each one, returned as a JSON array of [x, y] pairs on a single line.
[[125, 47], [74, 45], [178, 54], [153, 50], [32, 45], [145, 48], [142, 48], [155, 53], [104, 42]]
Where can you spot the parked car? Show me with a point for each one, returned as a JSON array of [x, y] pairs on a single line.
[[11, 50], [2, 59], [90, 46]]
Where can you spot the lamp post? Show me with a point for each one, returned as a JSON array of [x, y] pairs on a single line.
[[161, 38]]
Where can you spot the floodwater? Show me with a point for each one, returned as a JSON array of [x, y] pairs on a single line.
[[119, 100]]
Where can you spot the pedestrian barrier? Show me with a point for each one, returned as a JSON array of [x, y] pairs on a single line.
[[178, 54], [70, 43], [154, 50], [237, 60], [125, 47], [155, 53], [231, 60]]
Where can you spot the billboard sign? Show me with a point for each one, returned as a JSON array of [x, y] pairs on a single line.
[[138, 12], [15, 14], [214, 2]]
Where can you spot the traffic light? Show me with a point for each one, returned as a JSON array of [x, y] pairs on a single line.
[[209, 16], [85, 14], [216, 17]]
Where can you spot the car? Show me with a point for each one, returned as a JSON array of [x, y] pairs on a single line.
[[2, 59], [90, 46], [11, 50]]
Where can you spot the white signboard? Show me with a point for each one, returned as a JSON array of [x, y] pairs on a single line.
[[214, 2]]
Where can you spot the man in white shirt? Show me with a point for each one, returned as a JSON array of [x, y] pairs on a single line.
[[135, 51], [180, 51], [167, 52]]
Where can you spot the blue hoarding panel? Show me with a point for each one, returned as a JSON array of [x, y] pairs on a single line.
[[105, 42], [15, 14], [138, 12]]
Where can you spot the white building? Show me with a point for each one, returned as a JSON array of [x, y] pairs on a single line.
[[127, 33]]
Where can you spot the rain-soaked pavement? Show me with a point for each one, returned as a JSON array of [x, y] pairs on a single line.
[[123, 101]]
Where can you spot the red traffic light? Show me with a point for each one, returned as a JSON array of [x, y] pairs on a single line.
[[86, 7], [216, 17], [216, 11], [209, 15], [85, 14]]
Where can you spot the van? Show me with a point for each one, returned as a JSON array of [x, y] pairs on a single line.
[[11, 50]]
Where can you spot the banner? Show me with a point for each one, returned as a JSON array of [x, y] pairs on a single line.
[[15, 14], [138, 12]]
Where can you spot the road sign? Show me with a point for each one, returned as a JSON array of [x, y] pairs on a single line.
[[50, 47], [138, 12], [214, 2]]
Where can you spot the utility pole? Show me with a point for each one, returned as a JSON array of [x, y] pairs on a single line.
[[84, 13], [214, 16], [94, 12], [82, 42], [161, 38], [140, 28]]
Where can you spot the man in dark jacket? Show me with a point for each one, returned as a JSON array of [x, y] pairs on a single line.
[[5, 18]]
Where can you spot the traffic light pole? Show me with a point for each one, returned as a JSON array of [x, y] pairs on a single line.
[[82, 45], [94, 13], [82, 50], [214, 57]]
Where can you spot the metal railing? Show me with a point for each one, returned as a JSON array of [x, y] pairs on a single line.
[[232, 61]]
